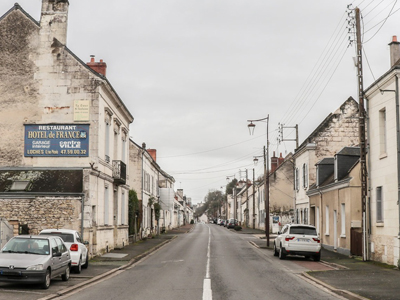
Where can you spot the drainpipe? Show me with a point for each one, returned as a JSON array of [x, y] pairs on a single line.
[[82, 214], [398, 148], [321, 213]]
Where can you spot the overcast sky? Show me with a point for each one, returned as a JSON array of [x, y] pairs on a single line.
[[192, 72]]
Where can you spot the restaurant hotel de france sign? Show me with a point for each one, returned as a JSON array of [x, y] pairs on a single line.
[[57, 140]]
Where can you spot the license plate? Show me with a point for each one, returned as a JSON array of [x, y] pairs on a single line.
[[303, 240]]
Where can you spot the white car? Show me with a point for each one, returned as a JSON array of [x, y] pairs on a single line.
[[72, 239], [298, 239]]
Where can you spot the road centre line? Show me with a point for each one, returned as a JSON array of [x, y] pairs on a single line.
[[207, 292]]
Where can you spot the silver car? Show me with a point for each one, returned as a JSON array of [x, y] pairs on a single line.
[[78, 250], [34, 259]]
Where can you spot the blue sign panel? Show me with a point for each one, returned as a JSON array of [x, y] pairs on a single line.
[[57, 140]]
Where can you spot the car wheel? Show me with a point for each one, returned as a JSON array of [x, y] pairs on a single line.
[[65, 276], [86, 264], [47, 279], [307, 257], [317, 257], [78, 268], [275, 251], [281, 254]]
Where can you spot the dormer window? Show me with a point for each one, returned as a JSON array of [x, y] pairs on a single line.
[[335, 168]]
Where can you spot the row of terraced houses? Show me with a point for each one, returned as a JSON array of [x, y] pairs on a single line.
[[320, 183], [66, 156]]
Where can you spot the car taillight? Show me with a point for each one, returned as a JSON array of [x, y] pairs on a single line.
[[74, 247], [317, 240], [289, 238]]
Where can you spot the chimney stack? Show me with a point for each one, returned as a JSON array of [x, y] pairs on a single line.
[[54, 20], [153, 153], [280, 159], [394, 51], [274, 163], [99, 67]]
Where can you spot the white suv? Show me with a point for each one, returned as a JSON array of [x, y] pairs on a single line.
[[71, 238], [298, 239]]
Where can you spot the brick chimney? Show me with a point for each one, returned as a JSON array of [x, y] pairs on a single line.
[[153, 153], [99, 67], [280, 159], [54, 20], [394, 51], [274, 163]]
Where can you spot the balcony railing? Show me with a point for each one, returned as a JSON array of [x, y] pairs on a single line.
[[119, 171]]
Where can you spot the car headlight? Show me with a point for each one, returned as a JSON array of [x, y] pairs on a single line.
[[35, 268]]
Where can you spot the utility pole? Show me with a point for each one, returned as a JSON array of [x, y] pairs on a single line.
[[361, 132], [247, 200], [254, 201], [297, 134]]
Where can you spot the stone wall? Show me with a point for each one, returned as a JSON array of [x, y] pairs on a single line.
[[41, 213]]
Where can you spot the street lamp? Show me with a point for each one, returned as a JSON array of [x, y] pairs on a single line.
[[251, 127]]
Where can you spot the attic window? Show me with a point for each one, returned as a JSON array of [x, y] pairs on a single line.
[[19, 185]]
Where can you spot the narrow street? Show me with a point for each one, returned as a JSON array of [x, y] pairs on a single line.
[[237, 270]]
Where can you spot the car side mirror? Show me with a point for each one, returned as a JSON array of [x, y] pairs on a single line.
[[279, 232]]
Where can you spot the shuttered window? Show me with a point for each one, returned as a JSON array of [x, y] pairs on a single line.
[[379, 205]]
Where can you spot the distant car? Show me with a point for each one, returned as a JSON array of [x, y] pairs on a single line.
[[219, 221], [34, 259], [298, 239], [232, 223], [222, 222], [72, 239]]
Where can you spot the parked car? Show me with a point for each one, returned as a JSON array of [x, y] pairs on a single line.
[[222, 222], [232, 223], [72, 239], [298, 239], [34, 259]]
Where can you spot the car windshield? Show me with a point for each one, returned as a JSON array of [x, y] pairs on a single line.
[[27, 245], [303, 230], [67, 237]]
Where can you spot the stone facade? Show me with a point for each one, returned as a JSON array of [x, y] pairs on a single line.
[[43, 212], [383, 162], [338, 130], [43, 83]]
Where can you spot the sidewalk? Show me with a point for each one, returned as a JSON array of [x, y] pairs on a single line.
[[364, 280]]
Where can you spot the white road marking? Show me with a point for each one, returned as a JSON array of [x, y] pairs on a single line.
[[207, 292]]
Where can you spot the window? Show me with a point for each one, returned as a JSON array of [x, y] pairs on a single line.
[[305, 216], [106, 200], [123, 209], [327, 220], [296, 177], [379, 205], [382, 131], [123, 154], [305, 176], [107, 140], [343, 219], [317, 218]]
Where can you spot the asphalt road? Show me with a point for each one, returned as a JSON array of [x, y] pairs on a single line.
[[211, 262]]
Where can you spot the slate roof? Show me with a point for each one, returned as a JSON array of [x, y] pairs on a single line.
[[43, 180]]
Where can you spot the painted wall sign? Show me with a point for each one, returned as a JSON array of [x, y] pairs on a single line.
[[57, 140], [81, 110]]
